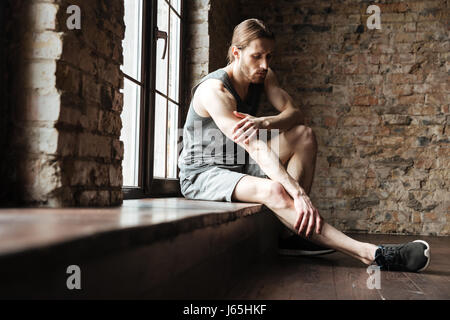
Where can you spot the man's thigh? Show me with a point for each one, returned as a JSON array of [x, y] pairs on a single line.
[[254, 186], [283, 145], [252, 189]]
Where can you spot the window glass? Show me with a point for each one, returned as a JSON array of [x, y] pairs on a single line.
[[161, 64], [174, 69], [172, 136], [176, 4], [159, 164], [130, 132], [132, 43]]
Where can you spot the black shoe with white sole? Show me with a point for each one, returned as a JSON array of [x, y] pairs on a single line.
[[297, 246], [412, 256]]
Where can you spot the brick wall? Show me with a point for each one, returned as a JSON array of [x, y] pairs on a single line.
[[6, 179], [209, 29], [378, 101], [196, 46], [65, 103], [91, 80], [223, 17]]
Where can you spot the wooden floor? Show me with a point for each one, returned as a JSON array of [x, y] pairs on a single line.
[[337, 276]]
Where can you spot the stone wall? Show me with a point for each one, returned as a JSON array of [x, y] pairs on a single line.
[[378, 101], [64, 104]]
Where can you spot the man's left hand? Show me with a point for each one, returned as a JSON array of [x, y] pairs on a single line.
[[248, 127]]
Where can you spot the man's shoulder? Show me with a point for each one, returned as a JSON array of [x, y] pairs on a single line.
[[213, 88], [211, 84]]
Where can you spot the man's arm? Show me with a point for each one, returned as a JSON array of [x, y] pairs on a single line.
[[289, 115], [220, 104]]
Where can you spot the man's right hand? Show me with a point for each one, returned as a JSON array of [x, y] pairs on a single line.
[[308, 216]]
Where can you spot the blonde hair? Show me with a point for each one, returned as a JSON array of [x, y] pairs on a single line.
[[247, 31]]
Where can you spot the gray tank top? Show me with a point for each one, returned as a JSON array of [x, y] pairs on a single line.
[[204, 145]]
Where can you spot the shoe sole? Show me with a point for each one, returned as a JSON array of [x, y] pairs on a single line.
[[292, 252], [426, 253]]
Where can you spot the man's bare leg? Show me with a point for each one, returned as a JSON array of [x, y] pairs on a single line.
[[302, 164], [298, 153], [274, 196], [297, 150]]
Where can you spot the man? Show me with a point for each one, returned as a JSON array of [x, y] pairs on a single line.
[[225, 103]]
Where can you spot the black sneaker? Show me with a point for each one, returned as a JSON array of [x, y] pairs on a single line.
[[297, 246], [412, 256]]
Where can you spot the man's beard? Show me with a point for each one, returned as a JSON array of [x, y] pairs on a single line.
[[246, 72]]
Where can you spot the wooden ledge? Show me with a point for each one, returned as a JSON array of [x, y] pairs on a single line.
[[88, 231]]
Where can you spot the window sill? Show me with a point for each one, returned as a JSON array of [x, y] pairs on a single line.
[[147, 248], [136, 222]]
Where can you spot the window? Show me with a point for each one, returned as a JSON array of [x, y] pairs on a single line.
[[150, 117], [133, 88], [167, 102]]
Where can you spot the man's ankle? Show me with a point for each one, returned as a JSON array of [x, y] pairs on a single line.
[[369, 253]]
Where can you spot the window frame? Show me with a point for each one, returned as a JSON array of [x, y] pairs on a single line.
[[148, 185]]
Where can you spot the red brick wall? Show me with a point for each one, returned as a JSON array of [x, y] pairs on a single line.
[[378, 101], [64, 104], [209, 28], [90, 80]]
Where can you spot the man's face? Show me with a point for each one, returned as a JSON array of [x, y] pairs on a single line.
[[255, 58]]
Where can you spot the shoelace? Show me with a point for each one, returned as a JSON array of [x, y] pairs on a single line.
[[389, 257]]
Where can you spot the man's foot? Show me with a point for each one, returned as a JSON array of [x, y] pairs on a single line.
[[412, 256], [297, 246]]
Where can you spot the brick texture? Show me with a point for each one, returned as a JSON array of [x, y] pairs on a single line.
[[209, 29], [64, 109], [377, 100]]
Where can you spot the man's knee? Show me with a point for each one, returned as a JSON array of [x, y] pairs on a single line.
[[303, 135], [278, 195]]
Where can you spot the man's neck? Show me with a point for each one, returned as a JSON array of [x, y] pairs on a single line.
[[239, 81]]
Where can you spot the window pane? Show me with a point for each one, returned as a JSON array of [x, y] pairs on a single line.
[[161, 65], [132, 43], [176, 4], [130, 133], [174, 69], [172, 145], [159, 167]]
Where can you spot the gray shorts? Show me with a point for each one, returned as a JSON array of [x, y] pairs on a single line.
[[218, 182]]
